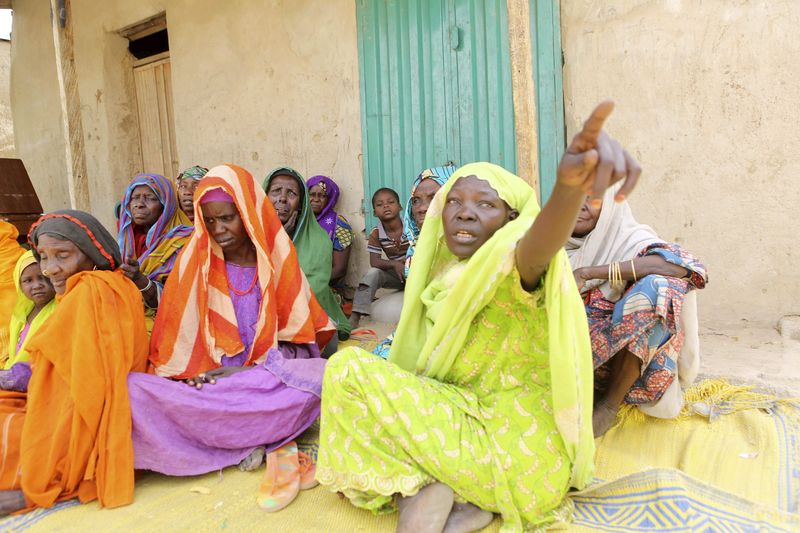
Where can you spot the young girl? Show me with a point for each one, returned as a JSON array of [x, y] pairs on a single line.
[[35, 303], [489, 399]]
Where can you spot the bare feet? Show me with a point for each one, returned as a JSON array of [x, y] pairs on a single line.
[[426, 511], [254, 460], [355, 318], [466, 517], [11, 500], [604, 418]]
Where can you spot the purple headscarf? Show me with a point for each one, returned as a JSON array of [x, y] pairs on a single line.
[[327, 217]]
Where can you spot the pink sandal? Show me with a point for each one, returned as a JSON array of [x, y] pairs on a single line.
[[281, 481]]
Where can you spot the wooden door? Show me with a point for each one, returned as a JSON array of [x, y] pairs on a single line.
[[156, 122]]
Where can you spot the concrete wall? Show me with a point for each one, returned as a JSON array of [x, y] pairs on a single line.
[[253, 83], [36, 103], [707, 96], [6, 124]]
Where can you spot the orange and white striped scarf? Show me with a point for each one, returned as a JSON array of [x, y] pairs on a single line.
[[196, 325]]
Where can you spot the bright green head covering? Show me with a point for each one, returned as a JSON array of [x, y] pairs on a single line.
[[19, 316], [314, 251], [429, 348]]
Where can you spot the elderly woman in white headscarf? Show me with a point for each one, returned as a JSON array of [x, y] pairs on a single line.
[[642, 313]]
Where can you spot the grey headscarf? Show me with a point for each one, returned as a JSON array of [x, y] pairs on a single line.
[[85, 231]]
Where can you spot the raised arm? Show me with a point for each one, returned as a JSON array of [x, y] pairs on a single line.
[[593, 162]]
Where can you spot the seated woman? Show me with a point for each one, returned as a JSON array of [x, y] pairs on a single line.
[[35, 303], [70, 436], [425, 187], [323, 193], [152, 230], [10, 251], [634, 285], [287, 191], [490, 393], [237, 311], [187, 183]]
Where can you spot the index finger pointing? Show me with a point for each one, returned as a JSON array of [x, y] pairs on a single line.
[[594, 124]]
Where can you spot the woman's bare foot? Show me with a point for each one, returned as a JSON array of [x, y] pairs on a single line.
[[466, 517], [254, 460], [604, 418], [426, 511], [11, 500], [355, 318]]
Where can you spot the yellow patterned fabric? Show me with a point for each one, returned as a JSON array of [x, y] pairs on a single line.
[[439, 309], [486, 430]]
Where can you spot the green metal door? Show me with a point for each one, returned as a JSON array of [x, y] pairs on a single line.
[[546, 53], [435, 87]]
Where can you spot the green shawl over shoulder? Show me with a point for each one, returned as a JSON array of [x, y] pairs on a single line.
[[315, 252], [429, 348]]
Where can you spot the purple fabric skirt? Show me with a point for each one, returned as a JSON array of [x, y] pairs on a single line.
[[181, 431]]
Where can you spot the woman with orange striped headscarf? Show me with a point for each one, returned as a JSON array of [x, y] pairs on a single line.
[[238, 314]]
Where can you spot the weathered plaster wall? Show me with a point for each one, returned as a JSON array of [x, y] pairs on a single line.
[[6, 123], [264, 88], [253, 84], [707, 98], [36, 103]]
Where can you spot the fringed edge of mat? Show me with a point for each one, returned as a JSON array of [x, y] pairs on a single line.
[[711, 398]]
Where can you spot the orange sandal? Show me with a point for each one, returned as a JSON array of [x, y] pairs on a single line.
[[281, 481]]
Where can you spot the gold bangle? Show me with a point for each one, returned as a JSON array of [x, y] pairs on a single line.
[[613, 275], [633, 270], [616, 276]]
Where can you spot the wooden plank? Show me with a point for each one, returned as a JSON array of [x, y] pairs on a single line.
[[77, 180], [149, 123], [163, 124], [144, 28], [158, 58], [523, 90], [170, 119]]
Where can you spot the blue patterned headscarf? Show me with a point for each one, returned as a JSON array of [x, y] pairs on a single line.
[[438, 174]]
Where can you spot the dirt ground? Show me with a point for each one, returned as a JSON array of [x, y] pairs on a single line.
[[745, 354], [754, 355]]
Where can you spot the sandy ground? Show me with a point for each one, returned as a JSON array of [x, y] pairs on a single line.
[[752, 354], [746, 354]]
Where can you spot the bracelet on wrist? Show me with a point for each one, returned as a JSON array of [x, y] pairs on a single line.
[[149, 284]]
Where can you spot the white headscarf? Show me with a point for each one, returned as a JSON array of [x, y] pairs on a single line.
[[616, 237]]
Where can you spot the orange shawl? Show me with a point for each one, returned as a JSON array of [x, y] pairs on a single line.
[[76, 439], [196, 324], [10, 251]]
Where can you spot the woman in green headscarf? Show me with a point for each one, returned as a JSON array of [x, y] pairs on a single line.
[[287, 191], [489, 397]]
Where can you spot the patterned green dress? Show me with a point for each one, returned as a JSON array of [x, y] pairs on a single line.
[[487, 431]]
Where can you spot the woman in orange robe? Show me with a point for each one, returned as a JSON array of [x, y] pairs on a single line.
[[70, 435], [9, 253]]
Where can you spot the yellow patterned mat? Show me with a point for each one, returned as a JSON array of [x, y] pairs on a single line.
[[738, 473]]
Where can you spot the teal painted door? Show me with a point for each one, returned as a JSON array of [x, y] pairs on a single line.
[[435, 87], [546, 53]]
